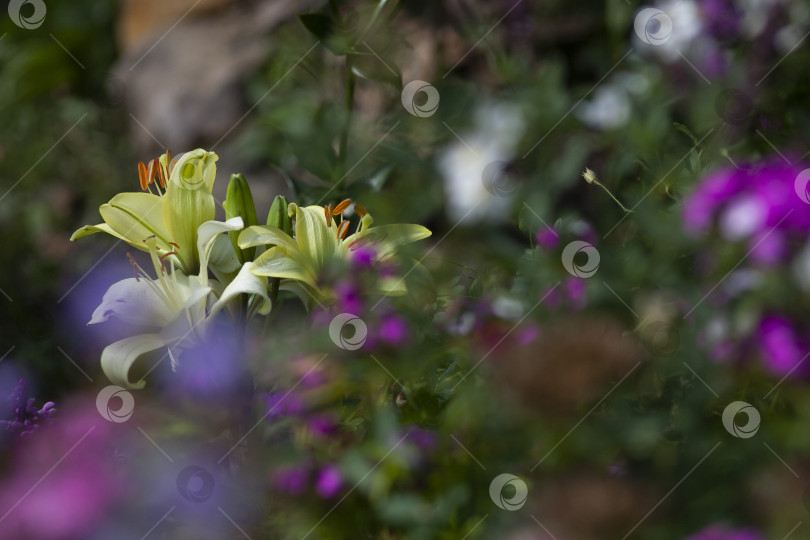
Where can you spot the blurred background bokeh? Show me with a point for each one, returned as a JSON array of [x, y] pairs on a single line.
[[604, 392]]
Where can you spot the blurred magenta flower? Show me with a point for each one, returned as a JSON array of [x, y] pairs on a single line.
[[547, 238], [720, 532], [328, 482], [758, 204], [64, 482], [393, 329], [292, 479], [779, 344]]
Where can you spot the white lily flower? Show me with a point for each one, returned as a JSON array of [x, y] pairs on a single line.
[[180, 305]]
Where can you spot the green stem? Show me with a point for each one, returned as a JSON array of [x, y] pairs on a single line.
[[612, 196]]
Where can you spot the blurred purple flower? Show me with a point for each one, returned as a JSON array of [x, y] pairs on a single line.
[[348, 298], [720, 532], [721, 17], [363, 256], [328, 482], [25, 418], [547, 238], [64, 483], [575, 291], [393, 329], [424, 439], [283, 404], [779, 344], [322, 425], [758, 204], [292, 479]]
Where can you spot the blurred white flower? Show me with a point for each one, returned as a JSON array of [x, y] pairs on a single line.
[[498, 128], [609, 108]]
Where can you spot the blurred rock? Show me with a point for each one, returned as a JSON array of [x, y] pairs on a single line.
[[183, 63], [568, 365]]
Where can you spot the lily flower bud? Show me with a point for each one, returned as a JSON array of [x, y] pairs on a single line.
[[239, 203]]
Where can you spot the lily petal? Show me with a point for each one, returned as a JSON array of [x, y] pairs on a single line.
[[136, 216], [118, 358], [136, 301], [207, 233], [246, 282], [275, 263], [315, 239], [260, 235], [387, 239]]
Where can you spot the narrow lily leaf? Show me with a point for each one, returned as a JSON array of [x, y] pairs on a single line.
[[386, 239], [136, 301], [207, 234], [246, 282], [136, 216], [275, 263], [118, 358]]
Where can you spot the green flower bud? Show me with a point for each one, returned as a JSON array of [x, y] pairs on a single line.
[[239, 203], [279, 216]]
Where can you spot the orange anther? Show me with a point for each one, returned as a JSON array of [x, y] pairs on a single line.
[[360, 210], [342, 229], [151, 171], [327, 212], [343, 205], [142, 175]]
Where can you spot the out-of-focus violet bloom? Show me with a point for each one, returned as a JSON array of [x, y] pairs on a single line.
[[575, 292], [547, 238], [779, 344], [720, 532], [757, 204], [25, 418], [328, 482], [721, 18], [393, 329], [424, 439], [363, 257], [348, 298], [322, 425], [70, 499], [283, 404], [292, 480]]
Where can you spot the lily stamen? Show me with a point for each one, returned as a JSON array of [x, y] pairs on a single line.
[[327, 212], [343, 205], [342, 230]]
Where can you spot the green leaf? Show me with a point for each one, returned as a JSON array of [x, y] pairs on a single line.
[[323, 28]]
